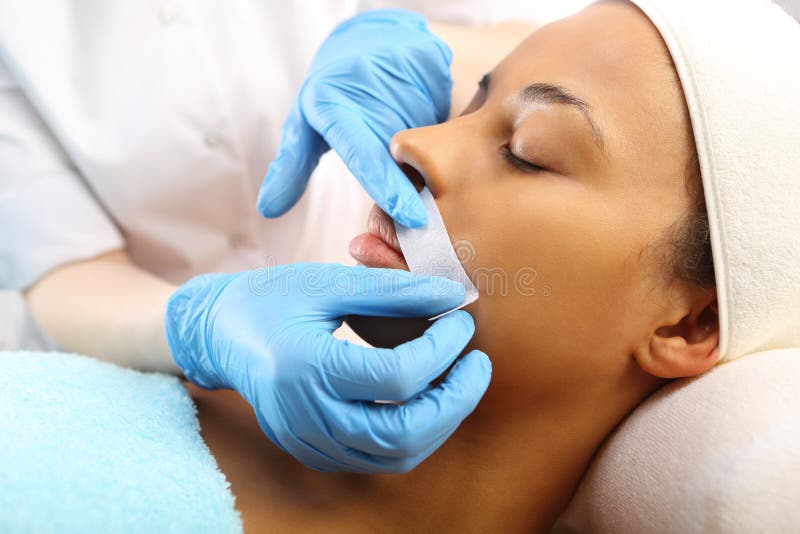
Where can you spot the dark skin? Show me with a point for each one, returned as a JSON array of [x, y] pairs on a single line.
[[577, 191]]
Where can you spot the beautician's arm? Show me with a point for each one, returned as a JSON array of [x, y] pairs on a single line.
[[108, 308]]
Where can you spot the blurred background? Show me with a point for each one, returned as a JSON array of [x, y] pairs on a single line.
[[537, 11], [476, 12]]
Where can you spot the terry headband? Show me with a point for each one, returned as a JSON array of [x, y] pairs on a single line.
[[739, 66], [428, 251]]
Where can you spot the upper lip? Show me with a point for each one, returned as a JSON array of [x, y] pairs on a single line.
[[381, 226]]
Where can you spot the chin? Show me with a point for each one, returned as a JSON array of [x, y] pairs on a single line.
[[387, 332]]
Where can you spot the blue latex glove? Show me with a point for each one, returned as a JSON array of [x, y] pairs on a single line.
[[267, 335], [376, 74]]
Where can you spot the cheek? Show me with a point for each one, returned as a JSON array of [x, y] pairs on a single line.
[[558, 272]]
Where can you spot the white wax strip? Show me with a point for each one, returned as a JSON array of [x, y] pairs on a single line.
[[428, 251]]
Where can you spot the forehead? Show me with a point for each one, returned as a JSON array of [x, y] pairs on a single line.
[[611, 56], [606, 41]]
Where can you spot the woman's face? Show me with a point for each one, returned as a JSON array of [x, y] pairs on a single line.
[[569, 162]]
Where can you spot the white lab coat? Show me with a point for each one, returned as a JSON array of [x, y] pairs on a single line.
[[150, 126]]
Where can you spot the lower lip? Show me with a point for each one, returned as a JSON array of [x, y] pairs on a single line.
[[372, 251]]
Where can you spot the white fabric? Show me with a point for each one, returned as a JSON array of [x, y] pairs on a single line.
[[791, 6], [739, 64], [17, 328], [715, 454], [152, 123]]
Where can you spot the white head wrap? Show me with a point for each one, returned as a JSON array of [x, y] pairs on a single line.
[[739, 64]]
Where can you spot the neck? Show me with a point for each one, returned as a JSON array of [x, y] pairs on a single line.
[[498, 473], [503, 470]]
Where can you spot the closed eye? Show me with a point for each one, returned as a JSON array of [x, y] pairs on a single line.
[[519, 163]]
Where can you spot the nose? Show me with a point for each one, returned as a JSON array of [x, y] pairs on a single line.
[[426, 156]]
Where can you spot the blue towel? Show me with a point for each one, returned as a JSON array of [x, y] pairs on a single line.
[[86, 446]]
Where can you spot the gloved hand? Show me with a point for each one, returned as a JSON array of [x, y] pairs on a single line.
[[376, 74], [267, 335]]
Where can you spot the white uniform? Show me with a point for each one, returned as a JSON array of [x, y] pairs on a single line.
[[147, 126], [150, 126]]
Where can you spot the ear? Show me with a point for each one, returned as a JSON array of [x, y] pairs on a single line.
[[688, 346]]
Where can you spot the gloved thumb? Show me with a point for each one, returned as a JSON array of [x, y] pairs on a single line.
[[288, 174]]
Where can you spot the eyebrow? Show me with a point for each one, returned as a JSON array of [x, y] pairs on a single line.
[[545, 93]]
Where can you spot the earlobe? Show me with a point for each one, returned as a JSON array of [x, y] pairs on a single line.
[[688, 347]]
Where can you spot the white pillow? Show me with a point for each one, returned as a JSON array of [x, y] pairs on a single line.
[[718, 453]]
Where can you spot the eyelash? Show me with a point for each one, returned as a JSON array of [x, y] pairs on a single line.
[[521, 164]]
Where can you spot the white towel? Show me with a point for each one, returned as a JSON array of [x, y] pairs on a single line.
[[714, 454], [739, 64]]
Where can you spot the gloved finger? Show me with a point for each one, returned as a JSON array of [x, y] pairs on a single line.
[[354, 372], [371, 163], [288, 174], [315, 458], [329, 455], [317, 449], [360, 290], [410, 432]]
